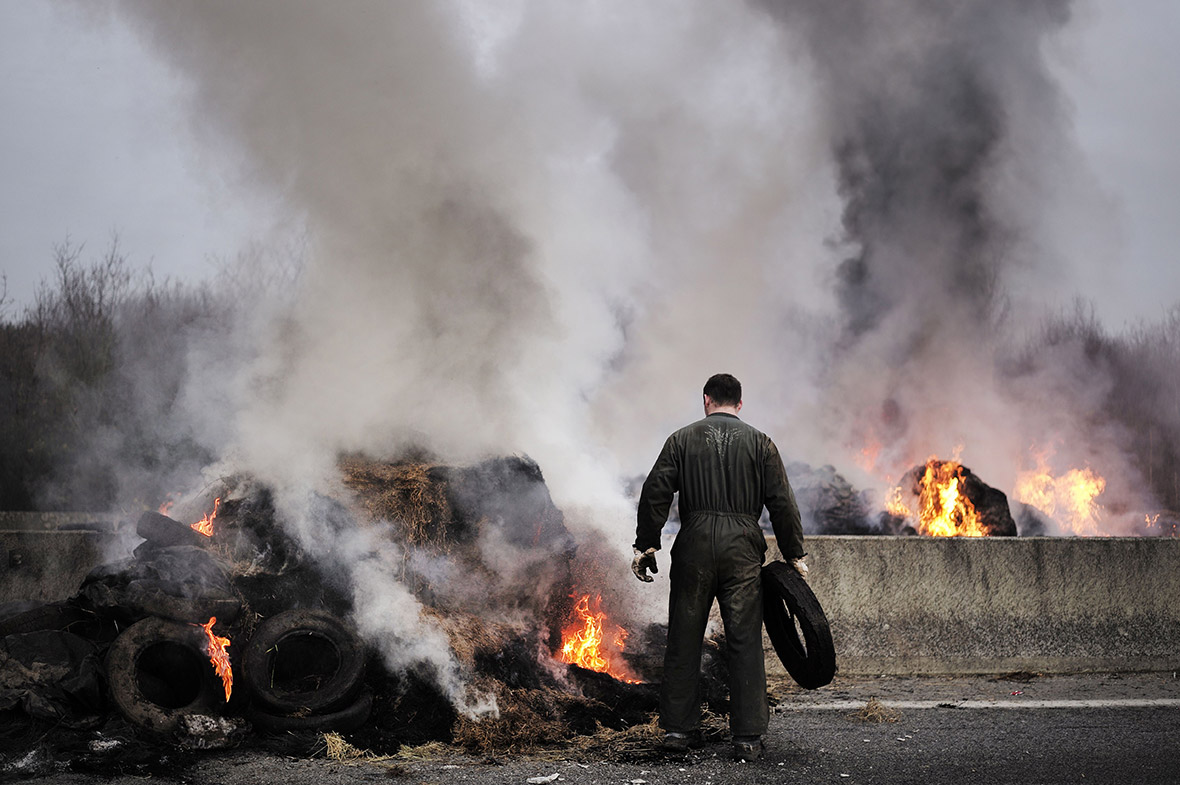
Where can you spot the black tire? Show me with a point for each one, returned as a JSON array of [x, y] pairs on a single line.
[[193, 610], [159, 670], [303, 662], [165, 532], [789, 606], [346, 719], [42, 616]]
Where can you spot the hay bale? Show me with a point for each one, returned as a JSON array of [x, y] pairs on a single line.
[[407, 494], [528, 720]]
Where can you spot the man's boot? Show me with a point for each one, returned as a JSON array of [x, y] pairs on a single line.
[[747, 748], [681, 742]]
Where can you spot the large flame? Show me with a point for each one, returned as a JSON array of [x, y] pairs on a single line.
[[942, 508], [1069, 499], [218, 656], [582, 642], [205, 525]]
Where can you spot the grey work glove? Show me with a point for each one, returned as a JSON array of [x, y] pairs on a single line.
[[799, 566], [644, 561]]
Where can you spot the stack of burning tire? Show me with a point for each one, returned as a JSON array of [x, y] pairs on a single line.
[[301, 669]]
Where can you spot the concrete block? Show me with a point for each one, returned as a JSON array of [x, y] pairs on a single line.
[[49, 565], [909, 605]]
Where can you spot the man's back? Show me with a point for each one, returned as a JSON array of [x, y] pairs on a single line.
[[720, 466]]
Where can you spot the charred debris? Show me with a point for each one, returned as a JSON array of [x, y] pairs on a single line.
[[122, 677]]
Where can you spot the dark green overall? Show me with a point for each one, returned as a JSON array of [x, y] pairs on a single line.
[[725, 472]]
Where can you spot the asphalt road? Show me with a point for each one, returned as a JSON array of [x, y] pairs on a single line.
[[962, 731]]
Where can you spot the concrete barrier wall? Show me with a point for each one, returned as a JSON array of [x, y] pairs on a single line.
[[992, 605], [896, 605], [49, 565]]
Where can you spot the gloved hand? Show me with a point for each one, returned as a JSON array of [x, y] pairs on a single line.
[[799, 566], [644, 561]]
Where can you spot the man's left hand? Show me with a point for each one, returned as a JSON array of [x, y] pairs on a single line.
[[799, 566]]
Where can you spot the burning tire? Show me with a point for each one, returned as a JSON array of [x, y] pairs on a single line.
[[791, 608], [162, 531], [159, 670], [303, 662], [346, 719]]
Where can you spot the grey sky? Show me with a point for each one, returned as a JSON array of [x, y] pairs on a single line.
[[94, 142]]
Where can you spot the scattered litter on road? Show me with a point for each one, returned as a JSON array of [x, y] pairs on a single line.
[[1016, 692], [543, 780]]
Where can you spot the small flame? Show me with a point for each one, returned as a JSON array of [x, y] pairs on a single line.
[[166, 506], [1068, 499], [218, 656], [943, 509], [1166, 528], [205, 525], [582, 642], [895, 505]]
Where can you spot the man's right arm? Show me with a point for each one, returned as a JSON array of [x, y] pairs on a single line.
[[656, 498], [781, 504]]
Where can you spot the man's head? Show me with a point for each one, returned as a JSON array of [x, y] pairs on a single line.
[[723, 393]]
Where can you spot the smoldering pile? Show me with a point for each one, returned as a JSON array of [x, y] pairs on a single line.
[[126, 665]]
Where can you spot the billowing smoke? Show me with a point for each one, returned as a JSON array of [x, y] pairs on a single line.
[[924, 109], [946, 128], [538, 228]]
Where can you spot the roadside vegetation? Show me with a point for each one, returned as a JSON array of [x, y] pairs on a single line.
[[98, 377]]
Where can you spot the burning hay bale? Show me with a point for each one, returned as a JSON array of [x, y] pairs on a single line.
[[411, 495], [946, 499]]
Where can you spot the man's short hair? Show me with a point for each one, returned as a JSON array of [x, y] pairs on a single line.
[[724, 389]]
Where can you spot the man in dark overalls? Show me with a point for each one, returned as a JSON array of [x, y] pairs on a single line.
[[725, 472]]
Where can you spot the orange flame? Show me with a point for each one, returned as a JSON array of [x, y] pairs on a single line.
[[582, 642], [1068, 499], [895, 505], [1167, 528], [218, 656], [205, 525], [943, 509], [867, 457]]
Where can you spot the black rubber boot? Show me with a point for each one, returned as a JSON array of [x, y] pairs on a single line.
[[747, 748], [681, 742]]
